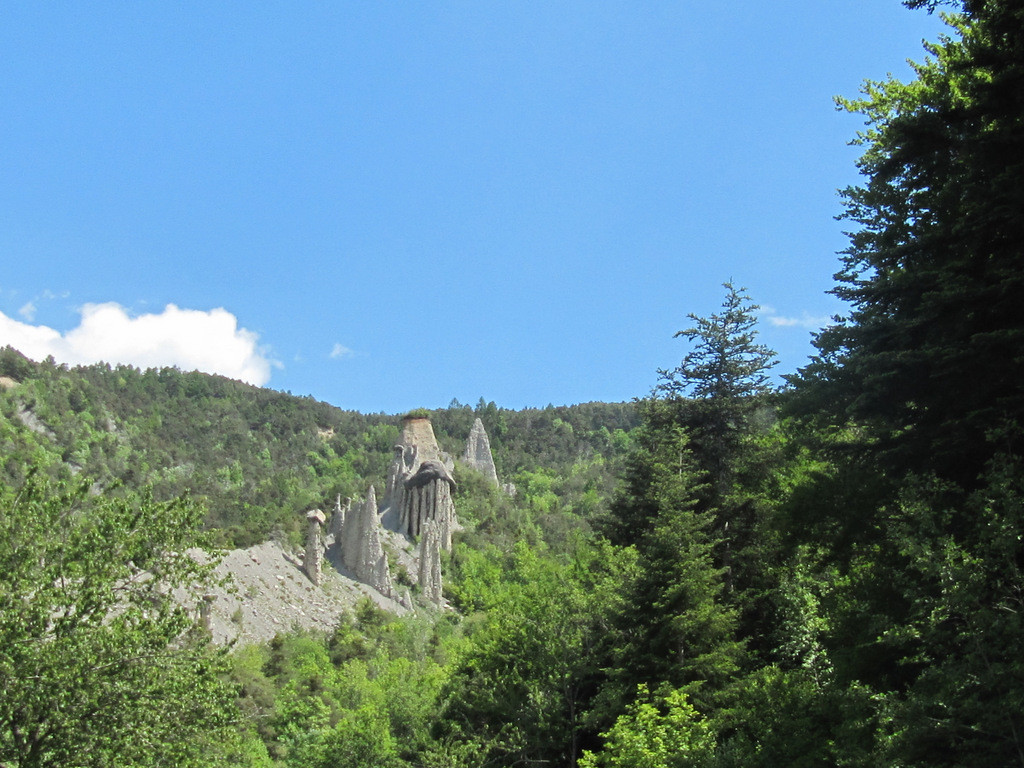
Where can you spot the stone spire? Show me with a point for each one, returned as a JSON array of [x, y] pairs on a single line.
[[417, 445], [418, 500], [418, 431], [403, 466], [314, 547], [478, 452], [361, 548], [430, 563], [338, 518]]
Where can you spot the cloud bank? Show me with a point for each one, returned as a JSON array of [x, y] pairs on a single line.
[[190, 339]]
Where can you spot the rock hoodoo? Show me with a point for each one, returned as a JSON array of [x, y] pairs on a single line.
[[314, 560], [360, 545], [417, 504], [478, 452], [430, 563], [427, 497], [338, 518], [420, 482]]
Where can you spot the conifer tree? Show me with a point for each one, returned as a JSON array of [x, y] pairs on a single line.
[[721, 393], [675, 629], [923, 379], [722, 381], [930, 358]]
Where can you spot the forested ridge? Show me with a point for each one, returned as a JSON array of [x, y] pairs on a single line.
[[722, 573], [254, 457]]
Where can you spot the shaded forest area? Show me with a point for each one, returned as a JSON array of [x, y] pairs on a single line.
[[723, 573]]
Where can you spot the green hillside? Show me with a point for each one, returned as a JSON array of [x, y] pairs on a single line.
[[256, 458]]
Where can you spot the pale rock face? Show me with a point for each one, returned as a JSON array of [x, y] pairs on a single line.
[[420, 483], [478, 452], [403, 466], [314, 560], [430, 563], [338, 518], [417, 503], [427, 497], [361, 548], [419, 432]]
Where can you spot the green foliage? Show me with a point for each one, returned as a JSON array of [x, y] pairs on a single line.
[[552, 438], [777, 716], [841, 587], [655, 733], [929, 359], [726, 364], [675, 627], [365, 695], [98, 665], [256, 457], [959, 634], [725, 376], [521, 689], [913, 404]]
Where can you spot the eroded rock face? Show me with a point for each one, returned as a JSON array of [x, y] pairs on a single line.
[[417, 503], [430, 563], [427, 497], [338, 518], [420, 483], [478, 452], [417, 431], [403, 466], [361, 548], [314, 560]]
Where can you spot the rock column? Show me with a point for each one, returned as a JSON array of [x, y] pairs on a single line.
[[430, 563], [478, 452], [428, 497], [314, 548], [361, 547], [338, 518]]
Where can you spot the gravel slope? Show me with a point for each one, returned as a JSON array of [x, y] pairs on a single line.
[[270, 593]]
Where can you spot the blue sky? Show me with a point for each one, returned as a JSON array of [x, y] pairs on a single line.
[[389, 205]]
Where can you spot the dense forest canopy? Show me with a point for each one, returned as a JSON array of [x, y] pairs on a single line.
[[719, 574]]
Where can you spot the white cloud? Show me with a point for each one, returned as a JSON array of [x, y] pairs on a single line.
[[806, 320], [190, 339], [340, 352], [28, 310]]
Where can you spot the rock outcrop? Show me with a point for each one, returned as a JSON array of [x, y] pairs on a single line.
[[360, 545], [427, 498], [430, 563], [478, 452], [338, 518], [420, 483], [417, 431], [314, 560], [417, 504]]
